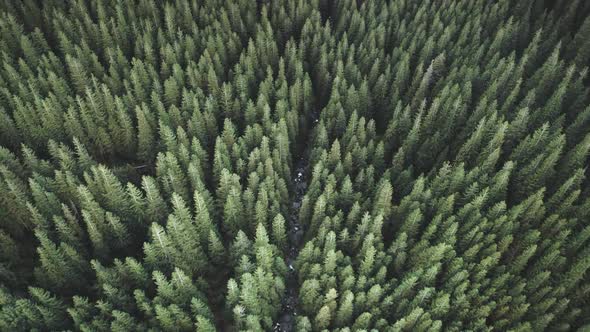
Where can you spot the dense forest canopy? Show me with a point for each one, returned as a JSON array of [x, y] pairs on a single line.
[[294, 165]]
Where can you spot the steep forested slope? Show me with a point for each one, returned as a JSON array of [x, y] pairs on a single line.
[[294, 165]]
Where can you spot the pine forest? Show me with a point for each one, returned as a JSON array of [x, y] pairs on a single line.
[[294, 165]]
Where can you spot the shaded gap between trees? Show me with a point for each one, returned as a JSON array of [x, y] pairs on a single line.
[[289, 305]]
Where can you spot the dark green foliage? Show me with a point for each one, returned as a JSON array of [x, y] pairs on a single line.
[[148, 151]]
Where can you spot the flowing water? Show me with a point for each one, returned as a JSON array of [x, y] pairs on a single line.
[[287, 317]]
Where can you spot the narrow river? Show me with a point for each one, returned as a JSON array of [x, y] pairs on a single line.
[[287, 317]]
